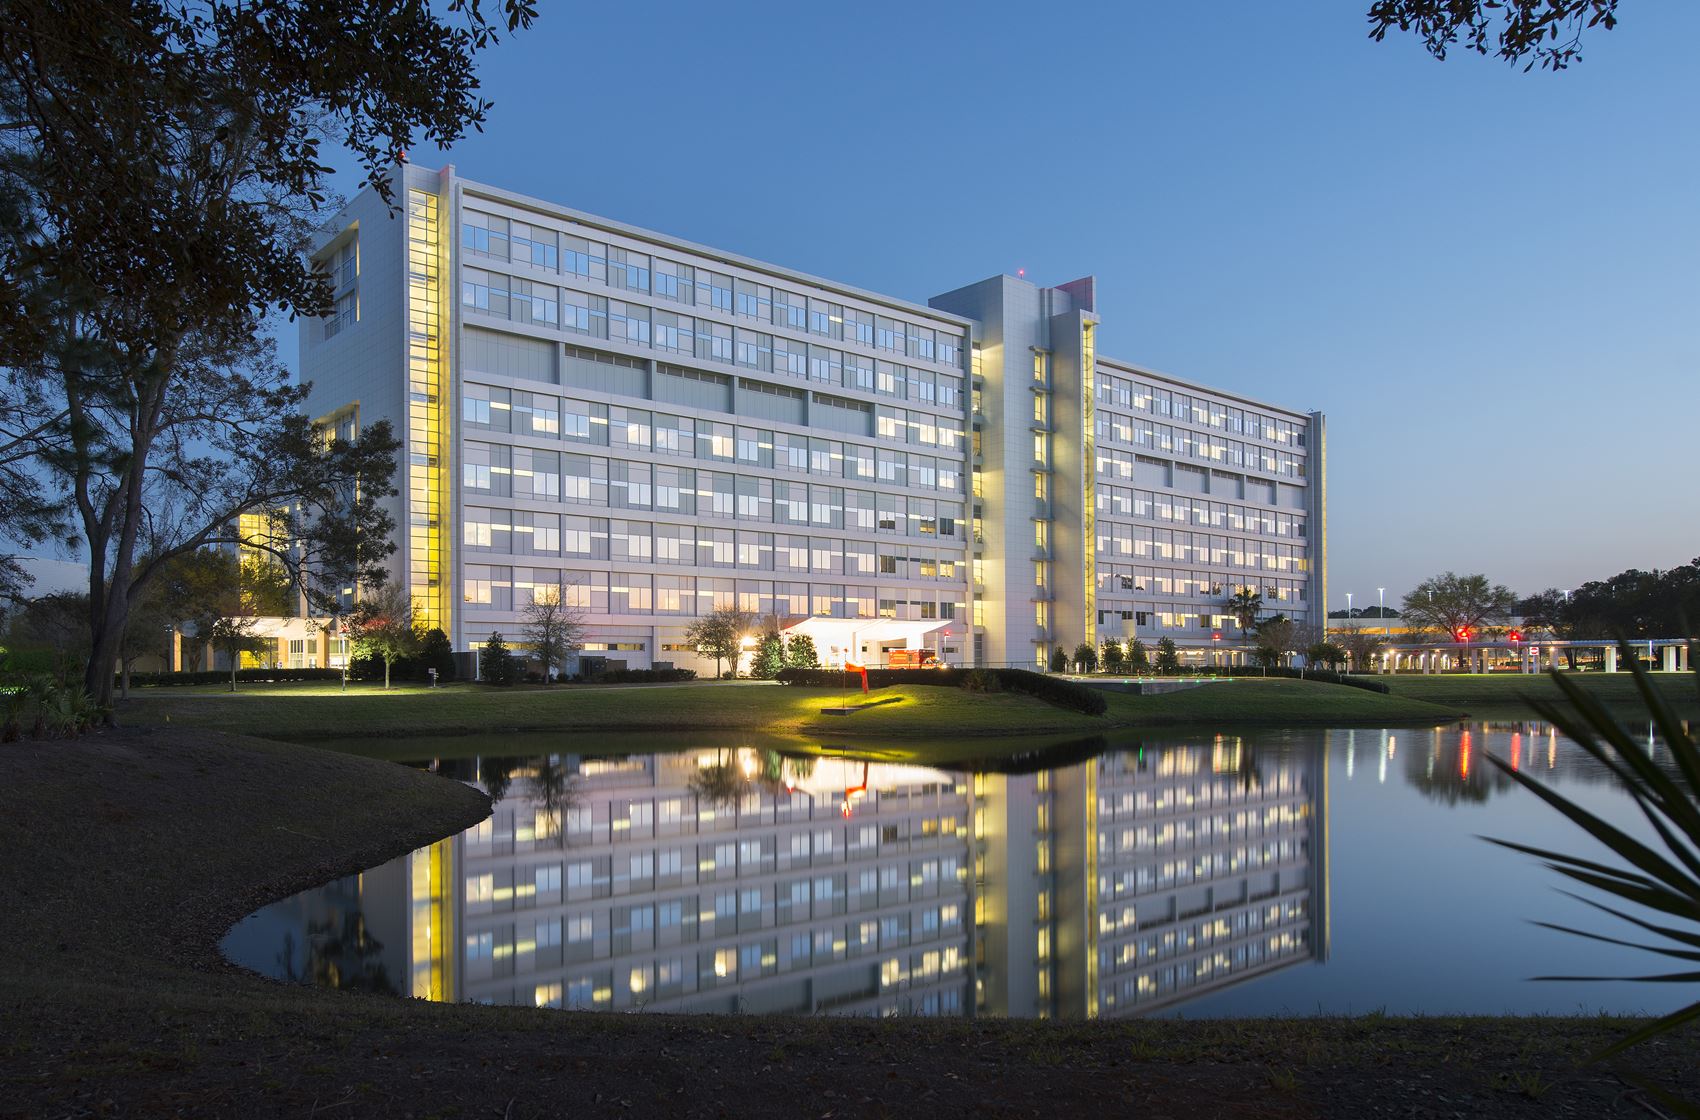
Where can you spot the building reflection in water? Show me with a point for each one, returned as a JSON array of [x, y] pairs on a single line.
[[742, 881]]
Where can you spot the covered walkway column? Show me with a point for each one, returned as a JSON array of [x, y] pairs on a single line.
[[1611, 659], [1668, 663]]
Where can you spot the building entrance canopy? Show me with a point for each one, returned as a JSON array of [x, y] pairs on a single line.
[[865, 640]]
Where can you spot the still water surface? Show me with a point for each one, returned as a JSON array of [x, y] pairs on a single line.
[[1284, 872]]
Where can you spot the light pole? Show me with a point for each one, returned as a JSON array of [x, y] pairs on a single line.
[[1350, 617], [1381, 608]]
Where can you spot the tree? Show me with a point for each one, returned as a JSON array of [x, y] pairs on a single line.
[[384, 626], [553, 629], [769, 658], [1114, 658], [1456, 606], [1277, 634], [1327, 654], [1085, 658], [1138, 659], [1244, 605], [161, 174], [57, 623], [1544, 33], [437, 652], [1059, 660], [1168, 659], [233, 635], [496, 665], [719, 634], [800, 653], [1364, 648]]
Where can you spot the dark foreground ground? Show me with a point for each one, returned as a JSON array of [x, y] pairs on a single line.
[[128, 854]]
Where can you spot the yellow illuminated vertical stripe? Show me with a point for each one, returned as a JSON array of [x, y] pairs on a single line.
[[433, 955], [1088, 472], [1092, 889], [427, 390]]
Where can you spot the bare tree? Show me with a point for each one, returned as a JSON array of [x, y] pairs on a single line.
[[553, 629]]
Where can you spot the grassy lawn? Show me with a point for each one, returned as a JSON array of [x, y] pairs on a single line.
[[130, 852], [1509, 693], [317, 712]]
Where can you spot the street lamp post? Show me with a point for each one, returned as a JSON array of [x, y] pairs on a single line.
[[1350, 617], [1381, 608]]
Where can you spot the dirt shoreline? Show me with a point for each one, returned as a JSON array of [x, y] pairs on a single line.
[[129, 854]]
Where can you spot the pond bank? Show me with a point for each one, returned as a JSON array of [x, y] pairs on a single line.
[[309, 713], [129, 853]]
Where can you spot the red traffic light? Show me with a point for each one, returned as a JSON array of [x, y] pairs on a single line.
[[1216, 635], [1516, 635], [1462, 633]]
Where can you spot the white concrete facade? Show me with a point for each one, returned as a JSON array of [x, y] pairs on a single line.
[[660, 429]]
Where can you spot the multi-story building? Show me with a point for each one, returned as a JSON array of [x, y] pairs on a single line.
[[744, 881], [656, 429]]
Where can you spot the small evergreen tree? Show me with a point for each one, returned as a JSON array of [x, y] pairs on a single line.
[[1114, 659], [436, 652], [1168, 661], [1085, 658], [1268, 656], [496, 665], [1059, 660], [800, 653], [1138, 658], [769, 659]]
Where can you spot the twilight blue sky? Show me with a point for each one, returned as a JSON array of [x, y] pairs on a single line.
[[1489, 280]]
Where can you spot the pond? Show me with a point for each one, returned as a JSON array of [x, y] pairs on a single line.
[[1207, 875]]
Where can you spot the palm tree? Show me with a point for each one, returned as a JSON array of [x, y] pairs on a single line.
[[1245, 605]]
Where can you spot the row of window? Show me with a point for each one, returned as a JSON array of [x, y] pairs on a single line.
[[1155, 505], [1162, 438], [1142, 542], [680, 975], [504, 588], [1120, 392], [526, 533], [497, 470], [494, 409], [489, 237]]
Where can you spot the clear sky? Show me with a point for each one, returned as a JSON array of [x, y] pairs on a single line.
[[1489, 280]]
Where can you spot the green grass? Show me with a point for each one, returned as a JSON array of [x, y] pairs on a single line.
[[1509, 693], [317, 712], [1276, 701]]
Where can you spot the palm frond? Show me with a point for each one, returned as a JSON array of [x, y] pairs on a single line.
[[1664, 878]]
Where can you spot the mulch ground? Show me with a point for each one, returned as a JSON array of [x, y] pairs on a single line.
[[129, 853]]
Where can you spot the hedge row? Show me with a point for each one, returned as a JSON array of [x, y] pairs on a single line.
[[1326, 676], [222, 676], [644, 676], [1052, 690]]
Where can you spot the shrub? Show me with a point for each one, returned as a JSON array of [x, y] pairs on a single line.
[[981, 680], [216, 676], [645, 676], [1085, 658], [1322, 675], [1059, 661]]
